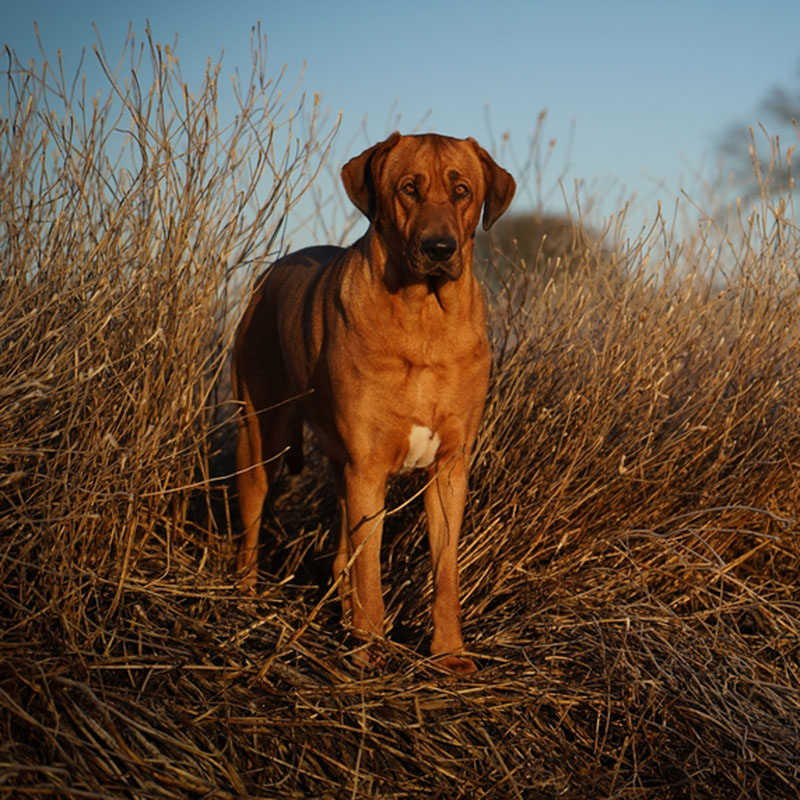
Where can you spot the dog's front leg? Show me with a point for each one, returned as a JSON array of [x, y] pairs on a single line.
[[362, 499], [444, 505]]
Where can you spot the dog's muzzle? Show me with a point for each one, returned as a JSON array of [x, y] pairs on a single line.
[[437, 257]]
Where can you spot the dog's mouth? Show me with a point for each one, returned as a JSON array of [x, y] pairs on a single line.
[[438, 274], [435, 273]]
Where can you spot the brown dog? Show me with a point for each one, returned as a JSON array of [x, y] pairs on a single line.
[[381, 348]]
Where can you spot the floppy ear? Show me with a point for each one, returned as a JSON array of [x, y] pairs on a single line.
[[500, 187], [360, 174]]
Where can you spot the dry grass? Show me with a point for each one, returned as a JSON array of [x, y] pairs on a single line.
[[631, 553]]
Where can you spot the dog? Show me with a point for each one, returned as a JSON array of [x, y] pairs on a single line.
[[381, 348]]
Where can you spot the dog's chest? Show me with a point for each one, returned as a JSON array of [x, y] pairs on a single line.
[[422, 446]]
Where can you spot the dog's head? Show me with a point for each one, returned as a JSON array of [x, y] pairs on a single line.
[[423, 195]]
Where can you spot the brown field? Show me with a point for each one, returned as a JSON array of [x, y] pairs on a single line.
[[631, 550]]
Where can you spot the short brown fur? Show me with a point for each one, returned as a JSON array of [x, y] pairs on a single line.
[[373, 340]]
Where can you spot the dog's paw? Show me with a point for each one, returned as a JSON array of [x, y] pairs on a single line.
[[246, 585], [458, 665], [372, 655]]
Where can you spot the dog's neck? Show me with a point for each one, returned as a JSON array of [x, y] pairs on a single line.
[[417, 296]]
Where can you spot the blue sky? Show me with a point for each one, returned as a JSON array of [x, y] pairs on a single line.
[[648, 86]]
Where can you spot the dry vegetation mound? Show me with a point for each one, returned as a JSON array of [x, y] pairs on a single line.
[[631, 550]]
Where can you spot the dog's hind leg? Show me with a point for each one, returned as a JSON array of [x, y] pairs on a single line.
[[251, 484], [268, 425]]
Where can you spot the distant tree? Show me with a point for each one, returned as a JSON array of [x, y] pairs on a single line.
[[543, 241], [760, 153]]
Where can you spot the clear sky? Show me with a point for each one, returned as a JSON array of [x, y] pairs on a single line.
[[649, 86]]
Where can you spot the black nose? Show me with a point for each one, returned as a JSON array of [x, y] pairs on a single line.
[[438, 248]]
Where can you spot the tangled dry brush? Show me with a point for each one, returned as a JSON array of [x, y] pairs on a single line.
[[631, 554]]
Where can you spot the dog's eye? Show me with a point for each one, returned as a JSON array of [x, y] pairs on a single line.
[[461, 190], [409, 188]]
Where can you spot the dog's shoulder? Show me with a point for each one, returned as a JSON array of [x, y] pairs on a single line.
[[310, 257], [296, 264]]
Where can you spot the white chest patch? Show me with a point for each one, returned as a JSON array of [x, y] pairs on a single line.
[[422, 446]]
